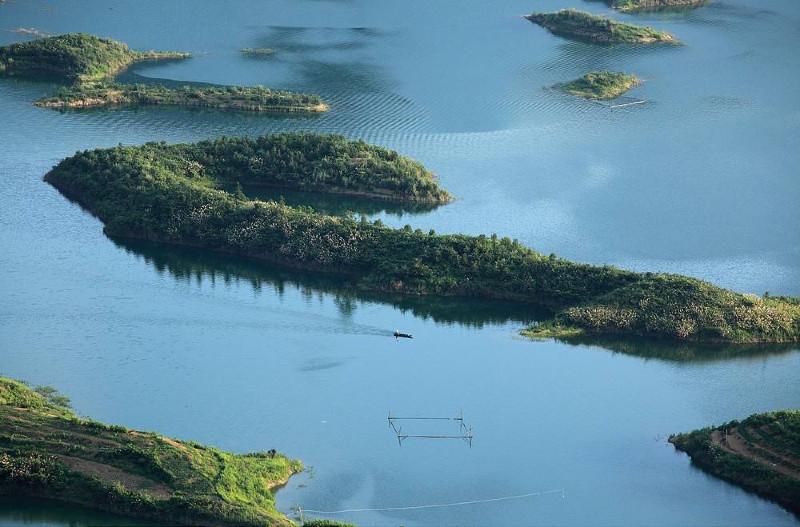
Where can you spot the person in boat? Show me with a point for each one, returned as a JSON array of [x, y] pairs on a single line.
[[398, 335]]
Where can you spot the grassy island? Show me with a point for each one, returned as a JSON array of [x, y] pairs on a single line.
[[140, 193], [600, 85], [760, 454], [580, 25], [653, 5], [74, 58], [88, 64], [253, 99], [46, 451]]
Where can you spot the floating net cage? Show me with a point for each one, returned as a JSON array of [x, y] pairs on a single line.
[[463, 432]]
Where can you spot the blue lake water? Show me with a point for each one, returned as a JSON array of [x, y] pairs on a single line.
[[700, 180]]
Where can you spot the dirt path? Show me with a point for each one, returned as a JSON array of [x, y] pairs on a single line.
[[736, 444], [110, 474]]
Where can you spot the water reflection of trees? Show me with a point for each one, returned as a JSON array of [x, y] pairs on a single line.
[[187, 264], [682, 351]]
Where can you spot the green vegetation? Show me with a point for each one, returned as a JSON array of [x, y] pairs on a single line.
[[88, 64], [148, 194], [74, 57], [580, 25], [653, 5], [46, 451], [600, 85], [258, 52], [760, 454], [253, 99]]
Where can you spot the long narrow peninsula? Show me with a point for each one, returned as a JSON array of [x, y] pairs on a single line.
[[184, 198], [46, 451], [88, 65], [760, 454], [580, 25], [249, 98]]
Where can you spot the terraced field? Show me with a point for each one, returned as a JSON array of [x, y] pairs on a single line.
[[761, 454]]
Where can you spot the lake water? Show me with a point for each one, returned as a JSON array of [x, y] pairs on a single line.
[[700, 180]]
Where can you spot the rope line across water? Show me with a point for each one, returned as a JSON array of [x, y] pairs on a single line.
[[441, 505]]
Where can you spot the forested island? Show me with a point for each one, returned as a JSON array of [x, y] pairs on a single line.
[[600, 85], [47, 451], [580, 25], [653, 5], [142, 193], [88, 64], [74, 58], [760, 454]]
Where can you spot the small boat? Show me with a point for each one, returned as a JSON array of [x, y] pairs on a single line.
[[398, 335]]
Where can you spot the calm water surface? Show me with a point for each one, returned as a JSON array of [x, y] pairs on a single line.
[[701, 180]]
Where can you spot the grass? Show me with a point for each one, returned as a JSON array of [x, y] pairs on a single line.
[[141, 193], [600, 85], [678, 308], [74, 58], [772, 444], [580, 25], [253, 99], [46, 451]]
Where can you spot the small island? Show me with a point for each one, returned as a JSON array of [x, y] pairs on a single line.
[[258, 52], [583, 26], [601, 85], [760, 454], [653, 5], [88, 65], [182, 195], [46, 451]]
